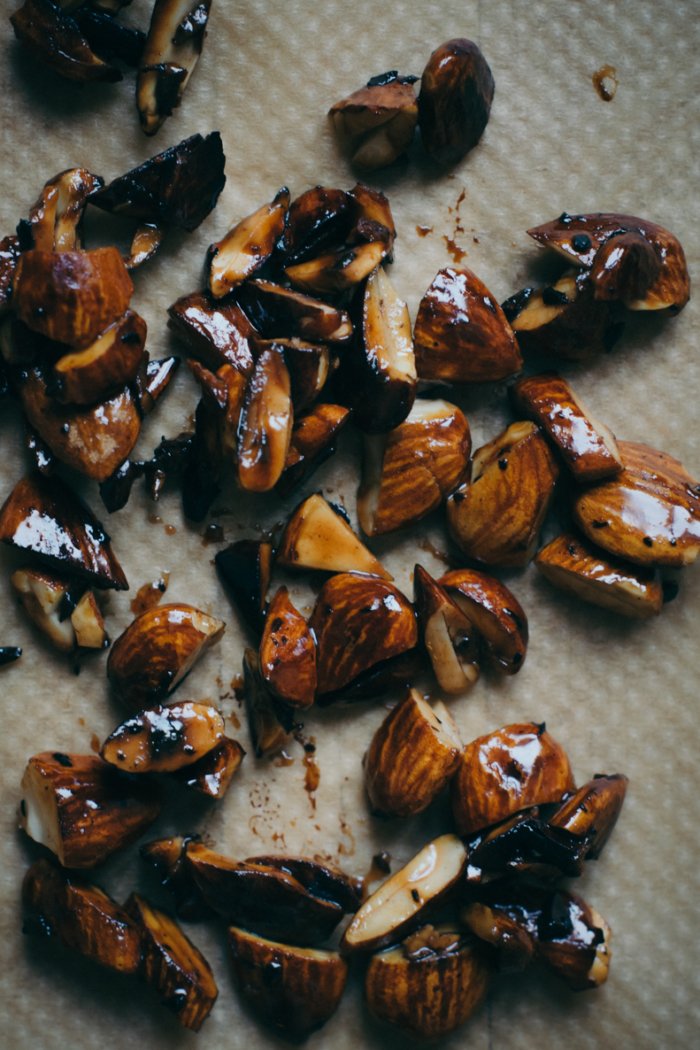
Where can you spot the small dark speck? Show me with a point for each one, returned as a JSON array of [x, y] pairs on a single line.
[[63, 760], [581, 242], [309, 748], [670, 590], [517, 658], [416, 896], [458, 497], [673, 543], [23, 808], [503, 463], [572, 550], [599, 524], [648, 542]]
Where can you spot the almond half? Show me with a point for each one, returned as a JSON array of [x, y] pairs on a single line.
[[247, 245], [317, 537], [288, 653], [163, 739], [495, 613], [447, 635]]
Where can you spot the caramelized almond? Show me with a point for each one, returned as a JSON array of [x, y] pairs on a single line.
[[245, 569], [455, 99], [317, 537], [279, 312], [288, 653], [265, 426], [270, 721], [111, 361], [447, 635], [592, 811], [163, 739], [247, 245], [311, 444], [316, 220], [217, 331], [494, 612], [212, 774], [339, 270]]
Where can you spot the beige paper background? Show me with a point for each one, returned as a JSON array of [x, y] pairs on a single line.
[[619, 695]]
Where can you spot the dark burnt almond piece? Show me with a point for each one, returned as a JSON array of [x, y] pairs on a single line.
[[308, 365], [509, 936], [271, 722], [317, 537], [164, 739], [204, 465], [313, 441], [245, 568], [494, 613], [218, 332], [526, 844], [574, 941], [175, 38], [212, 774], [54, 39], [316, 221], [455, 99], [279, 312], [592, 811], [288, 653], [265, 427], [625, 267], [169, 858], [341, 270], [371, 216], [247, 246], [321, 880], [447, 635], [108, 36], [563, 321]]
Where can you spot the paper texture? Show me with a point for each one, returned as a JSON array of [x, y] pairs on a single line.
[[619, 695]]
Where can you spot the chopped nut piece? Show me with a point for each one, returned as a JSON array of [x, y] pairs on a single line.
[[625, 267], [592, 811], [218, 332], [103, 368], [56, 218], [145, 243], [213, 773], [321, 880], [495, 613], [316, 221], [163, 739], [245, 568], [158, 376], [456, 92], [447, 635], [270, 721], [107, 35], [42, 595], [339, 270], [174, 44], [89, 626], [279, 312], [288, 653], [574, 941], [317, 537], [311, 444], [265, 427], [386, 113], [515, 943], [169, 857], [54, 39], [392, 676], [525, 843], [247, 245], [371, 216], [308, 365]]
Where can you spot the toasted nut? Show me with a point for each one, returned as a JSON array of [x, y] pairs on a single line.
[[169, 857], [461, 334], [80, 915], [44, 516], [339, 270], [293, 990], [321, 880], [515, 943], [9, 257], [288, 653], [112, 360], [42, 595], [506, 771], [82, 809], [156, 652], [431, 989], [580, 237], [412, 757], [163, 739], [649, 514], [316, 221], [358, 621], [247, 245], [245, 569], [456, 92], [71, 297], [265, 427], [389, 676], [592, 811], [159, 375], [145, 243], [495, 613], [116, 489], [405, 900], [587, 446], [574, 941], [264, 899], [89, 626], [224, 392], [55, 40], [447, 635], [172, 965], [308, 365], [204, 464], [108, 35], [625, 267], [311, 444], [317, 537], [496, 518], [385, 112], [173, 46], [270, 721], [56, 218], [213, 773], [279, 312], [526, 843], [371, 218], [582, 570], [217, 332], [408, 473]]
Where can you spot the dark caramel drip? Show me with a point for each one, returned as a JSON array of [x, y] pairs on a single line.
[[605, 73], [149, 595]]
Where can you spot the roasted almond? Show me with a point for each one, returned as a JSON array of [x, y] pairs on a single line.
[[308, 365], [212, 774], [340, 270], [447, 635], [317, 220], [106, 366], [320, 879], [158, 376], [53, 38], [88, 624], [512, 939], [56, 217], [288, 653], [385, 112], [574, 941], [525, 844], [169, 858], [245, 569], [270, 721], [371, 217], [163, 739], [217, 331], [317, 537], [314, 433], [42, 595], [454, 104], [625, 267], [279, 312], [265, 427], [247, 245], [495, 614], [592, 811]]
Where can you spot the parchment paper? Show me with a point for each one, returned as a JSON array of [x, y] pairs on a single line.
[[619, 695]]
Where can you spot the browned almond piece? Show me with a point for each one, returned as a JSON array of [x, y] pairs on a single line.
[[82, 809], [587, 446], [506, 771], [245, 568], [80, 915], [265, 427], [592, 811], [405, 900], [431, 989], [456, 92], [173, 965], [494, 612], [293, 990], [88, 624], [625, 267], [247, 245], [316, 537], [9, 257], [111, 361], [42, 594], [648, 514], [218, 331], [584, 571], [578, 238], [44, 516], [288, 653], [515, 943], [224, 393], [169, 857], [371, 217], [358, 621], [339, 270], [412, 757], [407, 473], [495, 519], [574, 941], [155, 653], [163, 739], [279, 312], [321, 880], [389, 141], [270, 721], [56, 217], [525, 844], [316, 221], [92, 439], [71, 297], [144, 244], [213, 773], [158, 377], [461, 334], [447, 635], [54, 39], [264, 899], [311, 444], [308, 365], [385, 113]]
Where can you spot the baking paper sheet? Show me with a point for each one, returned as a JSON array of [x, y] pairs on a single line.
[[619, 695]]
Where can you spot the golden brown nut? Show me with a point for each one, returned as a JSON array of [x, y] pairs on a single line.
[[586, 445], [413, 755], [407, 473], [461, 334], [173, 46], [592, 811], [217, 331], [338, 271], [311, 444], [317, 537], [321, 879], [507, 933], [42, 595], [371, 217], [169, 857], [293, 990], [308, 365], [270, 721], [358, 622], [506, 771], [56, 217], [55, 40], [456, 92], [625, 267], [288, 653], [495, 613], [496, 517], [584, 571], [447, 635], [112, 361], [265, 427], [574, 941], [212, 774], [431, 984], [88, 624], [385, 112], [247, 245], [163, 739], [173, 965], [144, 244], [245, 568], [81, 809], [405, 900], [155, 653], [279, 312], [317, 220]]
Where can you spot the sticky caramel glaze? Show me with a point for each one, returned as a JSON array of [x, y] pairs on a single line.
[[649, 514], [149, 595]]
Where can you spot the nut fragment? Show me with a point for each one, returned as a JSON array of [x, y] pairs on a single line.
[[169, 857], [270, 721], [625, 267], [317, 537], [316, 221], [574, 941], [54, 39], [455, 99], [88, 624], [163, 739], [279, 312], [247, 245], [592, 811], [526, 843], [173, 46], [56, 218], [505, 931], [340, 270], [312, 442], [217, 332], [320, 879], [245, 569], [288, 653], [112, 361], [495, 613], [265, 427], [212, 774], [447, 635], [42, 595], [385, 112]]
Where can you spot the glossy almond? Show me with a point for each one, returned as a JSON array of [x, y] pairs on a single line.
[[211, 775], [265, 427], [495, 613], [592, 811], [574, 941], [245, 569], [412, 757], [447, 635], [247, 245], [584, 571], [461, 334], [169, 858], [385, 113], [648, 514], [308, 365], [54, 39], [111, 362], [270, 721], [316, 221], [288, 653], [625, 267], [586, 445], [317, 537], [338, 271], [279, 312], [495, 518], [358, 622], [506, 771], [42, 594], [88, 623], [371, 216], [217, 331], [314, 434], [512, 939], [322, 879], [455, 99], [158, 376], [144, 244], [525, 844], [163, 739], [56, 217], [173, 46]]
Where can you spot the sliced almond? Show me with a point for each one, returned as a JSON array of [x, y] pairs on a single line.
[[288, 653], [212, 774], [592, 811], [321, 879], [447, 635], [245, 569], [308, 365], [247, 245], [173, 46], [495, 613], [89, 626], [270, 721], [163, 739], [56, 218], [312, 442], [265, 427], [111, 361], [218, 332], [279, 312], [339, 270], [316, 221], [316, 537], [42, 595]]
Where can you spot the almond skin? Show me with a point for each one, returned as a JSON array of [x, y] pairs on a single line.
[[317, 537], [506, 771], [592, 811], [495, 613], [212, 774], [625, 267], [358, 622], [288, 653], [455, 99], [321, 879], [164, 739], [270, 721], [246, 246], [461, 334], [112, 361], [218, 332]]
